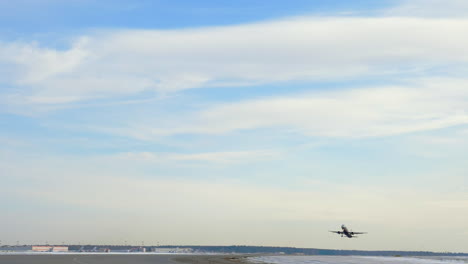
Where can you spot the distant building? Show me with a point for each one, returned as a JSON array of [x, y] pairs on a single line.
[[60, 249], [49, 249], [41, 248], [173, 250], [139, 249]]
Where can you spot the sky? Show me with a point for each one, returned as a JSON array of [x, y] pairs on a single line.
[[235, 123]]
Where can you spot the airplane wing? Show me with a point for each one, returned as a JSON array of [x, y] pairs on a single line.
[[338, 232], [357, 233]]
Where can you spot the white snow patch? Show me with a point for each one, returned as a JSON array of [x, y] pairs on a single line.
[[356, 260]]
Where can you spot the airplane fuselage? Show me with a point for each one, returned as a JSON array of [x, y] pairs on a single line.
[[346, 232]]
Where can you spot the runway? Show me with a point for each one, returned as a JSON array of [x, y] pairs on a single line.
[[119, 259]]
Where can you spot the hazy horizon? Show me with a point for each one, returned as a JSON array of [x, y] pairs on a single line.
[[262, 123]]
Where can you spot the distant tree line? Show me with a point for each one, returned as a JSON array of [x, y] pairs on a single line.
[[282, 250]]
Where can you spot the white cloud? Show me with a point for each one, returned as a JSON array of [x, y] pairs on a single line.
[[126, 62], [430, 8], [93, 184], [365, 112], [460, 204], [36, 64], [212, 157]]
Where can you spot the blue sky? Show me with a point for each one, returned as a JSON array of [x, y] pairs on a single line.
[[235, 119], [47, 17]]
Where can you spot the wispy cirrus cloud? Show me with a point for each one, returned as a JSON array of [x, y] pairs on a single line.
[[429, 8], [210, 157], [117, 63], [422, 105]]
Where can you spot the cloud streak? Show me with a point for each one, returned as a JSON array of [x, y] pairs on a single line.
[[422, 105], [429, 8], [127, 62], [209, 157]]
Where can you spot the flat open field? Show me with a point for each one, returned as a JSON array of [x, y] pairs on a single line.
[[356, 260], [118, 259], [218, 259]]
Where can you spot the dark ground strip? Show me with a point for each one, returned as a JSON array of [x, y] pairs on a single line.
[[120, 259]]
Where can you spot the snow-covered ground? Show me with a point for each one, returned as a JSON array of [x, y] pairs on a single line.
[[356, 260]]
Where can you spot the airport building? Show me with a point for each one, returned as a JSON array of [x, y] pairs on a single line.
[[172, 250], [49, 249]]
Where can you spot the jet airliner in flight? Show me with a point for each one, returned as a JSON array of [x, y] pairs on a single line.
[[346, 232]]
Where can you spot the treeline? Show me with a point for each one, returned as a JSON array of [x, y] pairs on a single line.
[[281, 250], [313, 251]]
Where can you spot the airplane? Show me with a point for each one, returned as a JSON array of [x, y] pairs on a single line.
[[346, 232]]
